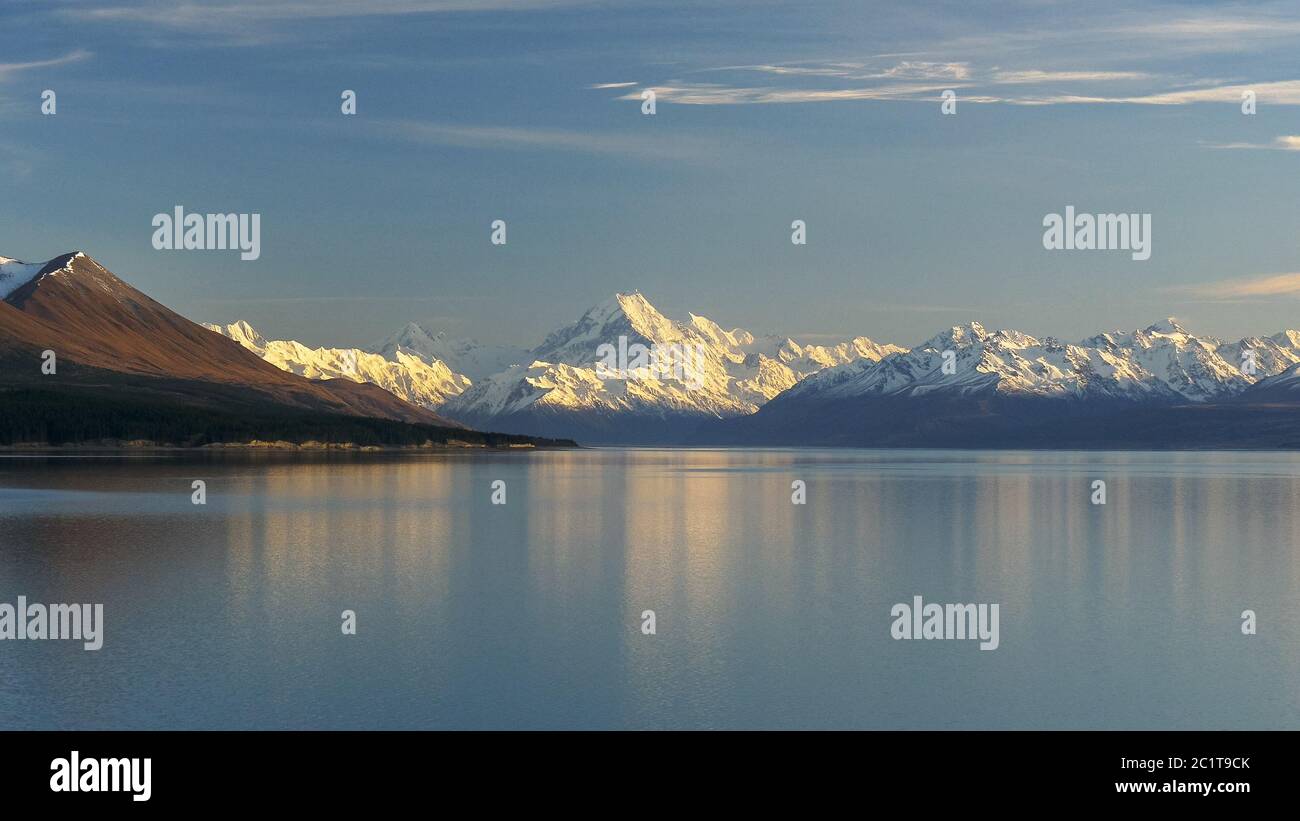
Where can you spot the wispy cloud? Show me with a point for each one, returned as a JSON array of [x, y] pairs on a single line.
[[19, 160], [720, 94], [1000, 77], [199, 15], [1108, 55], [268, 22], [899, 80], [904, 70], [1271, 285], [512, 138], [982, 88], [1280, 92], [1283, 143], [1233, 27], [7, 69]]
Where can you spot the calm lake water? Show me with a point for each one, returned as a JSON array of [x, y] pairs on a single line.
[[768, 614]]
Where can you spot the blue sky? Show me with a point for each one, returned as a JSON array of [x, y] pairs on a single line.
[[529, 111]]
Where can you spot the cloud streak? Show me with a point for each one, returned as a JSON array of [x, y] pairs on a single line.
[[978, 89], [1040, 76], [1283, 143], [719, 94], [904, 70], [187, 15], [7, 69], [512, 138], [1272, 285], [267, 22]]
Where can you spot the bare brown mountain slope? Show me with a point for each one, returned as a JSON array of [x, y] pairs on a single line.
[[91, 318]]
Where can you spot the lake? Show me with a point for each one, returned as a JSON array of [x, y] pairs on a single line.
[[767, 614]]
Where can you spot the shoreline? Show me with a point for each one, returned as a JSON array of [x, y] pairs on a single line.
[[258, 445]]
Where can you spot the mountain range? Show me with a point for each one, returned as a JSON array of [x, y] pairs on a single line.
[[1161, 386], [124, 366], [427, 383], [557, 388], [462, 356]]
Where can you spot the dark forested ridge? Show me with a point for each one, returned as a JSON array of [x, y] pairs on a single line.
[[71, 416]]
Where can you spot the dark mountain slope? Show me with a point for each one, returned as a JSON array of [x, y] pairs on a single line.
[[91, 318]]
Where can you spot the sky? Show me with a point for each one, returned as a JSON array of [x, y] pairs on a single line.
[[530, 111]]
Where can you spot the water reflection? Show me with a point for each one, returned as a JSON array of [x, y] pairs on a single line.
[[769, 614]]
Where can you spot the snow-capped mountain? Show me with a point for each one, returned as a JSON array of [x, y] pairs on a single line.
[[597, 379], [1007, 386], [464, 356], [407, 375], [573, 381], [563, 385], [1283, 387], [1161, 362], [15, 274], [118, 348]]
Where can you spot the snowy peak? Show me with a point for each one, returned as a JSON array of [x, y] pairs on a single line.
[[1286, 339], [428, 384], [635, 309], [1167, 327], [1284, 385], [413, 336], [1163, 362], [464, 356], [808, 359], [958, 336], [70, 278], [14, 273], [735, 338], [244, 334], [722, 372], [622, 315], [1165, 331]]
